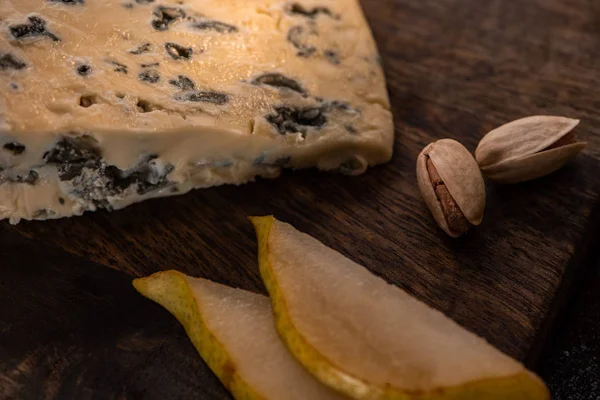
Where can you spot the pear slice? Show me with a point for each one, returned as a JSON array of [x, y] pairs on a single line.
[[234, 332], [372, 340]]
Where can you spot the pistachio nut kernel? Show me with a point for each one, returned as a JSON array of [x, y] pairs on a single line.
[[452, 186], [528, 148]]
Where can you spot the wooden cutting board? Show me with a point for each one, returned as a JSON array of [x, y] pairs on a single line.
[[71, 325]]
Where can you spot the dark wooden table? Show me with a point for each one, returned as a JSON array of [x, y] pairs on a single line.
[[571, 361], [71, 325]]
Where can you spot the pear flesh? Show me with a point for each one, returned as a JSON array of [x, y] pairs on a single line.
[[234, 332], [372, 340]]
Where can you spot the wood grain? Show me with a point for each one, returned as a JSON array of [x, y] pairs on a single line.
[[72, 329], [455, 68]]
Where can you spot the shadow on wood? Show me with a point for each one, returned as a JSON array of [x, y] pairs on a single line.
[[72, 329]]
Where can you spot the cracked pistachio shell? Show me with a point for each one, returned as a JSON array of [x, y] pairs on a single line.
[[527, 148], [460, 174]]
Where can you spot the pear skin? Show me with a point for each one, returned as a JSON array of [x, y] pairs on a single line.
[[234, 332], [372, 340]]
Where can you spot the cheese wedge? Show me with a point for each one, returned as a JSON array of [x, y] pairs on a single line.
[[107, 103]]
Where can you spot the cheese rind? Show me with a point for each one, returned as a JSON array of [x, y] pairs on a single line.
[[104, 104]]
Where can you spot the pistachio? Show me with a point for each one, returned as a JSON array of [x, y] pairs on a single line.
[[528, 148], [451, 185]]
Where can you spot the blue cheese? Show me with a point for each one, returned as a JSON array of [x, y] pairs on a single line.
[[108, 103]]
